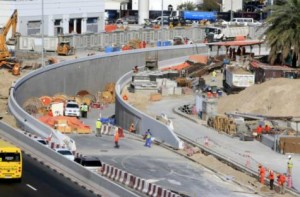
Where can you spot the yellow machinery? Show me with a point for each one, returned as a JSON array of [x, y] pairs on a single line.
[[6, 58], [64, 48]]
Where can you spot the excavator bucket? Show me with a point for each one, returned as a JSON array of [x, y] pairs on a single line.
[[11, 41]]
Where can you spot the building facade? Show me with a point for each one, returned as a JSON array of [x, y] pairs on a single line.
[[60, 17]]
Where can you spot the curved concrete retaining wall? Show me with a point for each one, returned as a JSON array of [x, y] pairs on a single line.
[[91, 74]]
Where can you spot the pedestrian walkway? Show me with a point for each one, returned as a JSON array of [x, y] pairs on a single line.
[[248, 154]]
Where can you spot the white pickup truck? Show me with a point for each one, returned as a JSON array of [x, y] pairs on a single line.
[[214, 34]]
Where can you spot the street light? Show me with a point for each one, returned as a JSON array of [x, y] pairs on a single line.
[[162, 14], [231, 13], [43, 62]]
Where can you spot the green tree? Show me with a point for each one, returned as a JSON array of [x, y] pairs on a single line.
[[187, 6], [283, 32], [210, 5]]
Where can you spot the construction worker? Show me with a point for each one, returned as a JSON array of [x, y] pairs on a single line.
[[271, 178], [262, 173], [98, 128], [259, 131], [135, 69], [84, 109], [132, 128], [281, 183], [148, 138], [116, 139], [289, 166], [267, 129], [213, 75]]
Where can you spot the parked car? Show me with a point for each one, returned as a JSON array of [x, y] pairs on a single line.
[[72, 109], [245, 22], [131, 19], [41, 141], [89, 162], [66, 153]]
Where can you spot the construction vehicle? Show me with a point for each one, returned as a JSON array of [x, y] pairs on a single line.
[[6, 58], [65, 48], [215, 34], [236, 79], [179, 40]]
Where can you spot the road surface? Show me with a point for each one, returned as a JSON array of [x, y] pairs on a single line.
[[38, 180]]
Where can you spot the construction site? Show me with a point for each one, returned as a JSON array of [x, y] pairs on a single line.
[[231, 93]]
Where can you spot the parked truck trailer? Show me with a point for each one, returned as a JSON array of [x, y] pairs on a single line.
[[198, 16], [236, 79], [215, 34]]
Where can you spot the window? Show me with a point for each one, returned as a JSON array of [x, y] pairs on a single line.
[[57, 22], [92, 25], [33, 27], [9, 157]]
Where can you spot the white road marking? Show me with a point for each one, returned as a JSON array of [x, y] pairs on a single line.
[[31, 187]]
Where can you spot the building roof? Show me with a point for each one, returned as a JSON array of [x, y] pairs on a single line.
[[236, 43]]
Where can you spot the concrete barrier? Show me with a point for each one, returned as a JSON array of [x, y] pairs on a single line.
[[99, 184]]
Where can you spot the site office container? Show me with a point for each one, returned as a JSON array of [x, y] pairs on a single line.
[[10, 161]]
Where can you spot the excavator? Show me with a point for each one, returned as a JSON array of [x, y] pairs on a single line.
[[6, 58]]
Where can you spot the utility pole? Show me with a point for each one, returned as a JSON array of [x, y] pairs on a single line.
[[43, 62], [231, 13], [162, 14]]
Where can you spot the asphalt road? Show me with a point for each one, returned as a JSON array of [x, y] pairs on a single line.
[[38, 180], [155, 164]]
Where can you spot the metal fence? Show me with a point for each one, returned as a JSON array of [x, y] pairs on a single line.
[[94, 41]]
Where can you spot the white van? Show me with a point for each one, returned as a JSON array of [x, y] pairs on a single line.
[[244, 22]]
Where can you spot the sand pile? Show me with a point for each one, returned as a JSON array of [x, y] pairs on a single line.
[[277, 97]]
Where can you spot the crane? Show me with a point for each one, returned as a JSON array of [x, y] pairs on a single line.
[[6, 58]]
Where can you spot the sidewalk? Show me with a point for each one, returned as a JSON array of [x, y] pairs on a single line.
[[248, 154]]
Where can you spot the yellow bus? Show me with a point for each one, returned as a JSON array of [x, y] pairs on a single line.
[[10, 161]]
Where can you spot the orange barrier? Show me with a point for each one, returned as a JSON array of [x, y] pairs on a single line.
[[110, 28]]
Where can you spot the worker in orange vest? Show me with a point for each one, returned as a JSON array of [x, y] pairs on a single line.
[[132, 128], [262, 173], [281, 182], [267, 128], [259, 131], [116, 139], [271, 178]]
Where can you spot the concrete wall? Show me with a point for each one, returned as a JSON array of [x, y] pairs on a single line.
[[91, 74]]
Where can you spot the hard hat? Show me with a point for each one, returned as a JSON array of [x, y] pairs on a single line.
[[289, 156], [99, 119]]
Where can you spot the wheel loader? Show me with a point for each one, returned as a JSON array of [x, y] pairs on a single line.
[[64, 48]]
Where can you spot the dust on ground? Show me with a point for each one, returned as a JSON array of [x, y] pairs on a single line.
[[276, 97]]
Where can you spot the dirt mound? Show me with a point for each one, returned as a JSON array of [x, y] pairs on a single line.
[[277, 97]]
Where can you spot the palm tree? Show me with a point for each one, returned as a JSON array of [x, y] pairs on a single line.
[[283, 32]]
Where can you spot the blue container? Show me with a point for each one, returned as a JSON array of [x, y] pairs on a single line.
[[109, 49], [158, 43], [115, 49], [169, 43], [165, 43]]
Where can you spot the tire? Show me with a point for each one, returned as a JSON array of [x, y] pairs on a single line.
[[19, 180]]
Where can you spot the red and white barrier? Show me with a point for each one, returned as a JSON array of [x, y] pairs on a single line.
[[134, 182], [107, 129]]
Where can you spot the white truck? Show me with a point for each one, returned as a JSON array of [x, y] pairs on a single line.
[[215, 34], [236, 79]]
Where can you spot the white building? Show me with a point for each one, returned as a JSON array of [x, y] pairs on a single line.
[[156, 5], [60, 16], [234, 5]]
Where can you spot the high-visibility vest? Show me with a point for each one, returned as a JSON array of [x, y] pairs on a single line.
[[84, 108], [271, 175], [98, 124], [290, 164], [116, 137]]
